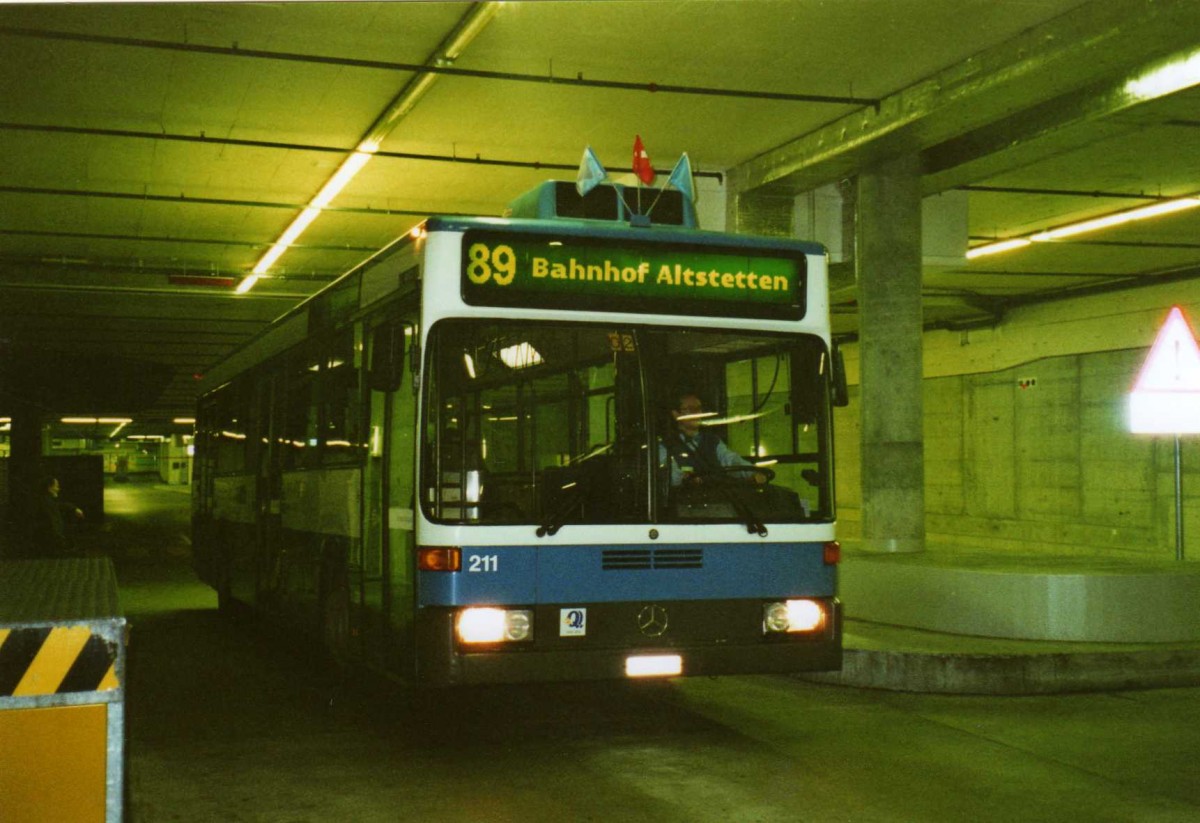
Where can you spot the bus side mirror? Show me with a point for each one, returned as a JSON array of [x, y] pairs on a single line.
[[386, 370], [839, 390]]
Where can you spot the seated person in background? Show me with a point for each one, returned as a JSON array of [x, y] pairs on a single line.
[[695, 451], [47, 527]]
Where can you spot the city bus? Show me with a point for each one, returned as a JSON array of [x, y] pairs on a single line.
[[451, 464]]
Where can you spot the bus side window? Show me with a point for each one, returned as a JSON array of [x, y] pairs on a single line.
[[341, 398], [231, 428], [300, 421], [838, 387], [387, 357]]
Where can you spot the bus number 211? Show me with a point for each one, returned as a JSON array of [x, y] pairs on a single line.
[[483, 563]]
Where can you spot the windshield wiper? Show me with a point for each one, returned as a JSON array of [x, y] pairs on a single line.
[[557, 518], [574, 494], [730, 491]]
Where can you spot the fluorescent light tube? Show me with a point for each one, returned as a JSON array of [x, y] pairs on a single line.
[[996, 248]]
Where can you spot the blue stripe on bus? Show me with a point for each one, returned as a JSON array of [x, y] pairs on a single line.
[[577, 574]]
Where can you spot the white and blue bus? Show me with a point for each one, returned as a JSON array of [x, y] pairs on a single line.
[[463, 461]]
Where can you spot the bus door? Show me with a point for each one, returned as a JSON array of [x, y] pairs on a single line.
[[388, 489]]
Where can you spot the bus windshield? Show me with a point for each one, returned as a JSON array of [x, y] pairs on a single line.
[[555, 424]]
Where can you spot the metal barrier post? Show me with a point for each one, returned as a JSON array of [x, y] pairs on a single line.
[[62, 692]]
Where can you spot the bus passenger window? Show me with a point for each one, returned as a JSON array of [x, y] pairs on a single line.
[[231, 428], [299, 436], [341, 395]]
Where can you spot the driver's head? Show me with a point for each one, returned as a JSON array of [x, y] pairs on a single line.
[[687, 412]]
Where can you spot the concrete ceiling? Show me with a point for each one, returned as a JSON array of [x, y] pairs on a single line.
[[152, 153]]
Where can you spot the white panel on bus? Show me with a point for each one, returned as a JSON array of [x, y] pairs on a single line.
[[400, 519], [233, 498], [324, 502]]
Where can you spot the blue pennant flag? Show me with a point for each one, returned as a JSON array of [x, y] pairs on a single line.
[[591, 173], [681, 178]]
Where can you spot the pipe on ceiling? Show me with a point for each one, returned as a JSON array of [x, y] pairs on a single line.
[[276, 144], [478, 74], [210, 201]]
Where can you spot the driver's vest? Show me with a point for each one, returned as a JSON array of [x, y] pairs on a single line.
[[698, 453]]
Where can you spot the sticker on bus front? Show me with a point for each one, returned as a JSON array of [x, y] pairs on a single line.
[[572, 622]]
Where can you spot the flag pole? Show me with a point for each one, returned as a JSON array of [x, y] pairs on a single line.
[[663, 190], [641, 162], [1178, 500], [659, 197]]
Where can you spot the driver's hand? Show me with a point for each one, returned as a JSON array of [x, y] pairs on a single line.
[[759, 478]]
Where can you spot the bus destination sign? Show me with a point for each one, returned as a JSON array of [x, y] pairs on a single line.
[[512, 269]]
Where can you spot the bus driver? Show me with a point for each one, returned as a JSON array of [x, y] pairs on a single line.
[[696, 451]]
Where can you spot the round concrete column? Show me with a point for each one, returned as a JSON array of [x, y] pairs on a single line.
[[888, 270]]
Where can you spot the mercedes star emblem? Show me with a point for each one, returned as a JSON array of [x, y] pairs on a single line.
[[652, 621]]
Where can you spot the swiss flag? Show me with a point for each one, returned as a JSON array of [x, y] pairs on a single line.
[[641, 162]]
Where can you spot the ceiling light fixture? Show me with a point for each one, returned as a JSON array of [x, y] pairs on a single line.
[[351, 166], [467, 29], [520, 356], [1084, 226], [996, 248], [1120, 218], [1168, 78]]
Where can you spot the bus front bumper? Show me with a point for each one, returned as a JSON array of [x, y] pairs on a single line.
[[443, 661]]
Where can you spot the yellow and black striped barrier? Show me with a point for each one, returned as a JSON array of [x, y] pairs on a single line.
[[56, 660], [62, 695]]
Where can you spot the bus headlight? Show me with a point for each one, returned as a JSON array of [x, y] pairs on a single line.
[[793, 616], [490, 625]]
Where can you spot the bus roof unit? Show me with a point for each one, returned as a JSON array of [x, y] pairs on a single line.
[[611, 202]]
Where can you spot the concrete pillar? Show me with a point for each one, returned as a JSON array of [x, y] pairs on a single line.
[[24, 473], [888, 270]]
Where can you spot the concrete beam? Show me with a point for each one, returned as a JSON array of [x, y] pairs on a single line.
[[1071, 70]]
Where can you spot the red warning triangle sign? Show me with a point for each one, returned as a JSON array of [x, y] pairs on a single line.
[[1173, 364]]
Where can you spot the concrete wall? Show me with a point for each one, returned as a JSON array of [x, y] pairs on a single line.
[[1027, 447], [710, 203]]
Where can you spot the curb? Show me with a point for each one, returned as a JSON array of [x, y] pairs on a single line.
[[1017, 674]]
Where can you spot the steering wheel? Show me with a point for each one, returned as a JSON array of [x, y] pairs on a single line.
[[724, 470]]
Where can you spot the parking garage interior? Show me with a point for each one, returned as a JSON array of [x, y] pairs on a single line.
[[1006, 192]]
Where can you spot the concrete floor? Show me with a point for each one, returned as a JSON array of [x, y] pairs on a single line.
[[227, 723]]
